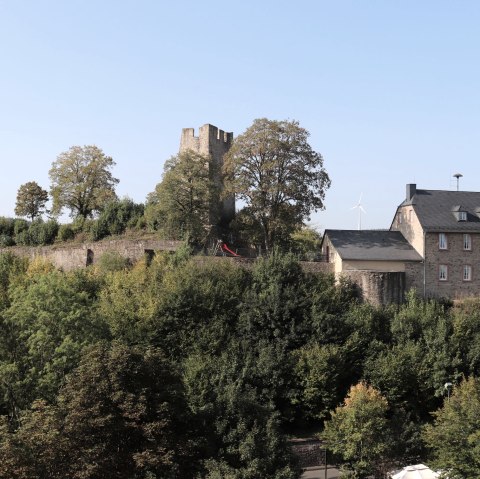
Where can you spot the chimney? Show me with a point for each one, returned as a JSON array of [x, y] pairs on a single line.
[[411, 190]]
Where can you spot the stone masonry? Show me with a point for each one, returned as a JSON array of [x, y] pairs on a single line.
[[213, 143]]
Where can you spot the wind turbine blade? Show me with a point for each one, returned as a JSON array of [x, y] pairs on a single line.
[[361, 207]]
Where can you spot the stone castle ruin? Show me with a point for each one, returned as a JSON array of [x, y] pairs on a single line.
[[213, 143]]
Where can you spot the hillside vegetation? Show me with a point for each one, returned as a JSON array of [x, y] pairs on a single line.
[[188, 369]]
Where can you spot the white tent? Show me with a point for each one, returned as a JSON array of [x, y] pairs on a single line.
[[420, 471]]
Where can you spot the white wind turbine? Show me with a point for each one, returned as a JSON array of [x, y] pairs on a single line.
[[360, 209]]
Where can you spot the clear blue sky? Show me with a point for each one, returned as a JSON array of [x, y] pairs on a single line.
[[389, 90]]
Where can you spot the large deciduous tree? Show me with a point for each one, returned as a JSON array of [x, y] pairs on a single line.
[[455, 434], [358, 431], [275, 171], [31, 199], [184, 202], [82, 181]]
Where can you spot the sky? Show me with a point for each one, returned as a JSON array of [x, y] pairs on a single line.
[[388, 90]]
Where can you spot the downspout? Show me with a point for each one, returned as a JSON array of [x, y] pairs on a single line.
[[424, 264]]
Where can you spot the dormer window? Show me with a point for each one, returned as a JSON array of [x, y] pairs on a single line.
[[460, 213]]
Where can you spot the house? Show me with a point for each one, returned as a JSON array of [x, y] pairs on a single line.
[[381, 262], [433, 246], [444, 228]]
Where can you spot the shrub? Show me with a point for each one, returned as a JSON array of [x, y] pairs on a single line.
[[6, 240], [65, 233], [112, 261], [7, 226]]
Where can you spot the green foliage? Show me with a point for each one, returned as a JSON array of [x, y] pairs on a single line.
[[319, 371], [274, 170], [116, 217], [454, 437], [275, 305], [31, 200], [228, 394], [7, 226], [112, 261], [183, 204], [358, 430], [50, 320], [40, 233], [120, 414], [65, 233], [81, 181], [306, 242]]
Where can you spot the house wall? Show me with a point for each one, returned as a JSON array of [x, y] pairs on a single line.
[[329, 252], [406, 221], [455, 257], [384, 266]]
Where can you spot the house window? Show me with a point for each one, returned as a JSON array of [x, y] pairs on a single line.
[[443, 272], [467, 242], [442, 241], [467, 272], [462, 216]]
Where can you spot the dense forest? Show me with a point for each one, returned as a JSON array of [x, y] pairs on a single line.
[[199, 367]]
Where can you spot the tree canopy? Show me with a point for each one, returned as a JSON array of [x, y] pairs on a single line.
[[81, 181], [455, 434], [275, 171], [31, 200], [183, 203]]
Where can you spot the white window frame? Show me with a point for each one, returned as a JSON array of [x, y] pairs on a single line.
[[442, 241], [467, 272], [462, 216], [442, 272], [467, 242]]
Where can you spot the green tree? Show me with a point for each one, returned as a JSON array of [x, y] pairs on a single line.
[[120, 414], [81, 181], [275, 171], [183, 204], [454, 437], [358, 430], [318, 372], [31, 200], [51, 319]]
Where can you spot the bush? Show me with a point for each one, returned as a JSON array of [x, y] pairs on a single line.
[[112, 261], [65, 233], [19, 226], [117, 216], [7, 226], [42, 233], [6, 240]]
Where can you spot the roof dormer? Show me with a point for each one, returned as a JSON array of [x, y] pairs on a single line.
[[460, 213]]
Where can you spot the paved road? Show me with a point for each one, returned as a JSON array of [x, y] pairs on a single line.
[[319, 473]]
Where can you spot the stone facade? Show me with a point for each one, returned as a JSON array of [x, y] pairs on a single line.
[[451, 272], [455, 258], [214, 143]]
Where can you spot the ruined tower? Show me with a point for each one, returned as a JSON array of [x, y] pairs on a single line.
[[213, 143]]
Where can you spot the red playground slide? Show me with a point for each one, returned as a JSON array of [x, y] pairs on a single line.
[[226, 249]]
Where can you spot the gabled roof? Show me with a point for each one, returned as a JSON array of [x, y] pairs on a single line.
[[372, 245], [435, 209]]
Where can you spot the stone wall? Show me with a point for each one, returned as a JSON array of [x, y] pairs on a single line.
[[379, 288], [69, 257], [214, 143]]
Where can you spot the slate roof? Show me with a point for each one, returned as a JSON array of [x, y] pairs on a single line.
[[436, 209], [372, 245]]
